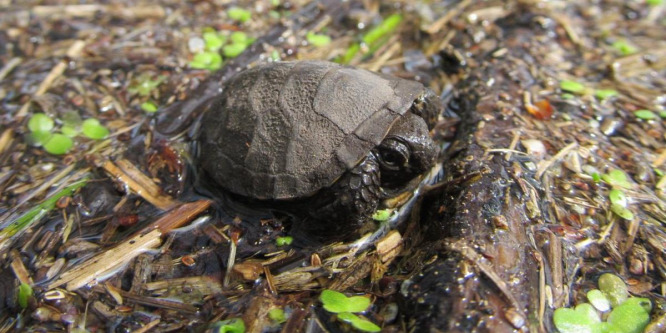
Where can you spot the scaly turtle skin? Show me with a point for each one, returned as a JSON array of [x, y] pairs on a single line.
[[341, 136]]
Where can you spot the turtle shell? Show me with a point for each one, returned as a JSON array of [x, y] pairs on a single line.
[[286, 130]]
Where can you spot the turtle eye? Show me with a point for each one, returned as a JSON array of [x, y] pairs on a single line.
[[393, 154]]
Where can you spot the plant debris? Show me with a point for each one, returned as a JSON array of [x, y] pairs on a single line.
[[554, 172]]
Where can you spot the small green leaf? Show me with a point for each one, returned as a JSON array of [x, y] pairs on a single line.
[[317, 40], [622, 212], [617, 197], [24, 294], [213, 40], [596, 177], [572, 86], [275, 55], [614, 288], [70, 131], [149, 106], [581, 319], [358, 322], [239, 14], [38, 138], [234, 325], [616, 177], [624, 48], [39, 211], [605, 93], [233, 50], [645, 114], [239, 37], [383, 29], [58, 144], [598, 300], [207, 60], [662, 114], [382, 215], [654, 2], [40, 122], [93, 129], [337, 302], [282, 241], [631, 316], [144, 84], [277, 315]]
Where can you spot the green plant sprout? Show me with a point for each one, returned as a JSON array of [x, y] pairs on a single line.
[[239, 14], [144, 84], [283, 241], [616, 178], [230, 46], [628, 315], [317, 40], [149, 106], [572, 86], [382, 215], [373, 39], [24, 295], [277, 315], [92, 128], [344, 307], [233, 325], [605, 93], [645, 115], [624, 48]]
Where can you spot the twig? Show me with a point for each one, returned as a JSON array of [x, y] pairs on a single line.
[[544, 165], [470, 254], [148, 326], [138, 182], [442, 21], [20, 271], [8, 67], [512, 145], [45, 185], [102, 264], [568, 28], [89, 11], [74, 51]]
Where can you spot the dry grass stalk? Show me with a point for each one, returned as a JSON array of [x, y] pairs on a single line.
[[8, 67], [106, 262], [89, 11], [138, 182], [545, 164], [484, 266], [6, 139], [204, 284], [19, 269], [437, 26]]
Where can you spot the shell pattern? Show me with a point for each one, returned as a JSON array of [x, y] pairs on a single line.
[[285, 130]]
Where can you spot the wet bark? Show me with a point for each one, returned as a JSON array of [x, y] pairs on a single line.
[[481, 224]]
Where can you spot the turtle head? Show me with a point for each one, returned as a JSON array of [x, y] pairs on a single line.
[[406, 152]]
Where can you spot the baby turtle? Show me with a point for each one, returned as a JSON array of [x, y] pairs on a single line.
[[334, 138]]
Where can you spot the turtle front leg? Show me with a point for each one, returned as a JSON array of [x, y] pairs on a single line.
[[351, 200]]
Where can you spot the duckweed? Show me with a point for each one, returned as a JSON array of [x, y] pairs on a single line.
[[337, 302], [93, 129], [58, 144]]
